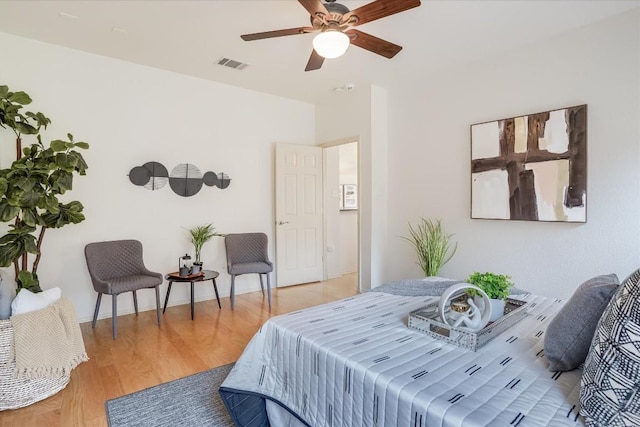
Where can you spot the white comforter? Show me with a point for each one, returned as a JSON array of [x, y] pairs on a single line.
[[354, 362]]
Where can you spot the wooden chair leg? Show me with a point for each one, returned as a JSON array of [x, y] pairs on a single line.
[[269, 289], [158, 304], [261, 284], [95, 313], [233, 281], [114, 315], [135, 301]]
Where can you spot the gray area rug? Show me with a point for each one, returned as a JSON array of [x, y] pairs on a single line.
[[190, 401]]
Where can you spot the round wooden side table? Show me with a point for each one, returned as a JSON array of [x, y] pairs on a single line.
[[193, 278]]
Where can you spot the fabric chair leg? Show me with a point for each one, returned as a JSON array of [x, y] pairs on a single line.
[[233, 282], [114, 315], [95, 313], [158, 304], [269, 289], [261, 284], [135, 301]]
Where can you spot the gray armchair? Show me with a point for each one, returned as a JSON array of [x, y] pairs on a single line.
[[116, 267], [247, 254]]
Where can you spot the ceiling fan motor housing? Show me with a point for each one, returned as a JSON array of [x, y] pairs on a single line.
[[333, 7], [336, 12]]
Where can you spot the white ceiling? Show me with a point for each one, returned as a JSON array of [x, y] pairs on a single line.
[[189, 37]]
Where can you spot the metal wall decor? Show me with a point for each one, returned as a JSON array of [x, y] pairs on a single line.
[[151, 175], [185, 179]]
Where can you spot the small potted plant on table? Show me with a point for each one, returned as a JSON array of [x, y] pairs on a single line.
[[496, 286], [198, 236]]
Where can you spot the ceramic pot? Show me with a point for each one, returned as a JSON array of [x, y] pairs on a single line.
[[196, 268], [497, 309]]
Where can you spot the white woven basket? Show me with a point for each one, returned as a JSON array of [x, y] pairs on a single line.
[[20, 392]]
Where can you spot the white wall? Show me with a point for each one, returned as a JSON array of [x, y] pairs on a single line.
[[331, 205], [341, 227], [348, 239], [429, 158], [380, 205], [348, 229], [363, 115], [348, 163], [132, 114]]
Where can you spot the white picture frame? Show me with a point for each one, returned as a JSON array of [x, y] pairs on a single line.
[[349, 197]]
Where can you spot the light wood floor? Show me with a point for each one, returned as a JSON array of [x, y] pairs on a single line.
[[145, 355]]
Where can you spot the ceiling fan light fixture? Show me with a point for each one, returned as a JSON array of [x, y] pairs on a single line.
[[331, 43]]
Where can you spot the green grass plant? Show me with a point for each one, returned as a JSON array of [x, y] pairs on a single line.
[[432, 245]]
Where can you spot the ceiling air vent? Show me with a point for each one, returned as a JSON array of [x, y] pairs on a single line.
[[236, 65]]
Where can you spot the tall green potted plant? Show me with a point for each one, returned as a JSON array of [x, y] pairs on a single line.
[[432, 245], [30, 187], [198, 236]]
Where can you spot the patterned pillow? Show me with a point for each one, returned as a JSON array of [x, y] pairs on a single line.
[[610, 387]]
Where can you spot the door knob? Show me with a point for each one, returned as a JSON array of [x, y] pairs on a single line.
[[282, 222]]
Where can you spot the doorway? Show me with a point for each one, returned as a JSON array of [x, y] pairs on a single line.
[[317, 212], [341, 208]]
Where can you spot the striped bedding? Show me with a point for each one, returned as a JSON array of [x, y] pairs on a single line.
[[354, 362]]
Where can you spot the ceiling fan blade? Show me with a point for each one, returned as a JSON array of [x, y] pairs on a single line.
[[373, 44], [277, 33], [315, 61], [314, 6], [379, 9]]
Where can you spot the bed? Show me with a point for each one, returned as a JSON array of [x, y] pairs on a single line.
[[354, 362]]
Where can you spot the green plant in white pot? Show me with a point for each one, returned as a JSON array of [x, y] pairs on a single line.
[[497, 288], [432, 245], [198, 236]]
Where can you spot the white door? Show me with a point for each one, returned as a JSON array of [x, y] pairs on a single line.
[[298, 214], [331, 211]]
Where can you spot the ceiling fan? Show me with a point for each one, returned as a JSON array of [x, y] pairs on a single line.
[[335, 24]]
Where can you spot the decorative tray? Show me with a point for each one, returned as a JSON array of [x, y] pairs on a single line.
[[427, 320], [176, 275]]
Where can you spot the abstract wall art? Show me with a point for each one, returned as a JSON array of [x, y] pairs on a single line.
[[531, 168], [185, 179]]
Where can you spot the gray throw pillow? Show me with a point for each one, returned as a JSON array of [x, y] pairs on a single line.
[[610, 386], [568, 336], [7, 293]]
